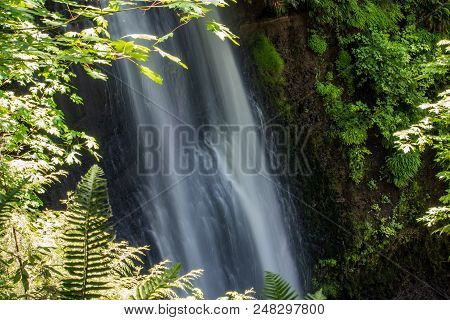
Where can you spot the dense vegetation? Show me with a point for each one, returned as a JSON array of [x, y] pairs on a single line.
[[382, 77]]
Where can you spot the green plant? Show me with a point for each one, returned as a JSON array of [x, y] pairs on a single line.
[[269, 63], [233, 295], [318, 295], [403, 167], [163, 282], [385, 199], [375, 207], [362, 15], [331, 94], [357, 158], [372, 185], [317, 43], [276, 288], [7, 201], [433, 131], [345, 69], [434, 14], [327, 262], [270, 68], [86, 238]]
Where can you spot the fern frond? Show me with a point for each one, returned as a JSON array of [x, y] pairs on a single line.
[[163, 282], [126, 260], [318, 295], [7, 201], [276, 288], [87, 238], [234, 295]]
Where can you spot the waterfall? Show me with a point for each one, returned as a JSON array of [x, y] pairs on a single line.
[[231, 224]]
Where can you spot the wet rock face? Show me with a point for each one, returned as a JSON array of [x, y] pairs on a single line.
[[102, 117]]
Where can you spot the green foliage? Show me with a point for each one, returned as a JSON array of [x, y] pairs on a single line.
[[392, 69], [357, 163], [233, 295], [352, 122], [270, 68], [433, 14], [374, 237], [163, 282], [356, 14], [433, 130], [318, 295], [386, 65], [7, 202], [344, 68], [343, 62], [276, 288], [372, 185], [317, 44], [403, 167], [390, 66], [87, 237], [330, 93]]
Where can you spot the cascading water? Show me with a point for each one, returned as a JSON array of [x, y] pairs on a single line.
[[231, 224]]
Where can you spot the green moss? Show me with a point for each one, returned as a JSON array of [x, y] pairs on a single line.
[[270, 68], [269, 63], [317, 44]]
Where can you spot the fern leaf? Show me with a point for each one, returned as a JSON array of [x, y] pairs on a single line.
[[87, 237], [276, 288], [7, 201], [126, 261], [318, 295], [163, 283]]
